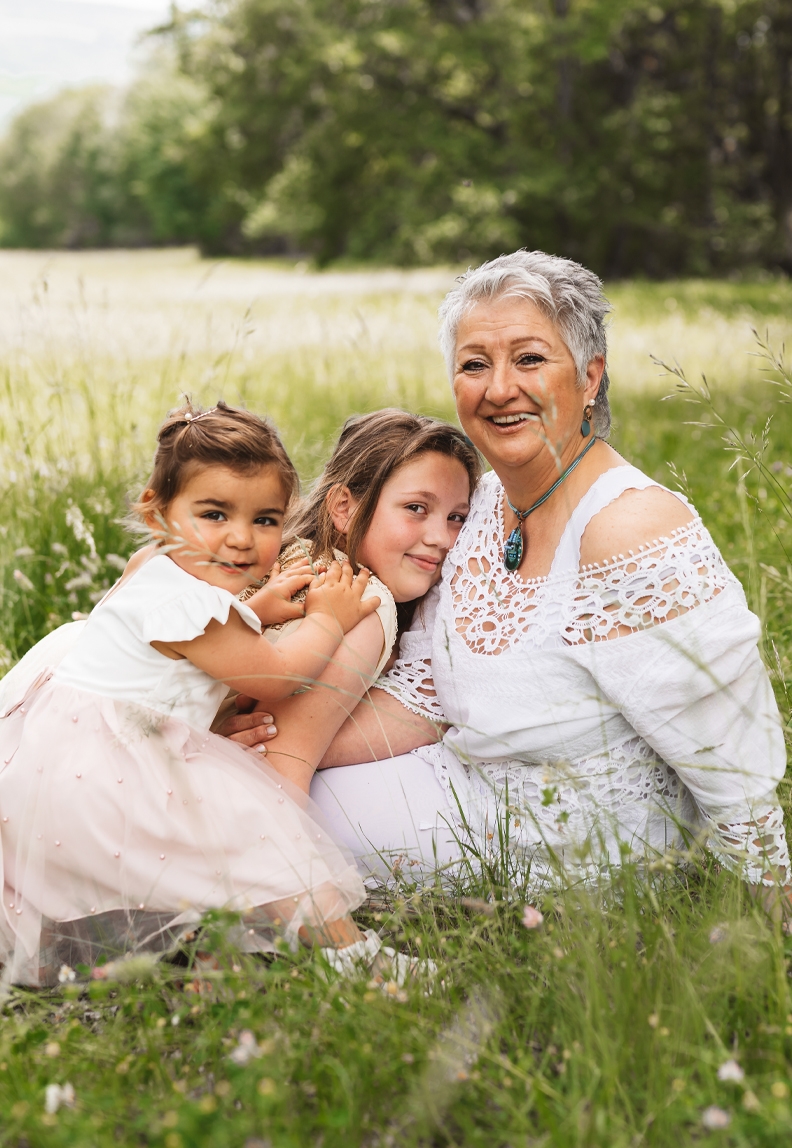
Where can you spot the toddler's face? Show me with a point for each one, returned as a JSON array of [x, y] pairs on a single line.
[[419, 514], [226, 528]]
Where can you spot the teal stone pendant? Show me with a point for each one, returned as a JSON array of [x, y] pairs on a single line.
[[513, 550]]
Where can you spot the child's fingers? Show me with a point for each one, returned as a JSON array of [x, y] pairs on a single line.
[[333, 575], [293, 610], [369, 606]]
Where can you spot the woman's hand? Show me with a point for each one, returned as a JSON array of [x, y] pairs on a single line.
[[252, 725], [273, 602], [338, 594]]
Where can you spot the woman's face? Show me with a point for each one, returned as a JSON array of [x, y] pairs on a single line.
[[515, 382], [419, 514]]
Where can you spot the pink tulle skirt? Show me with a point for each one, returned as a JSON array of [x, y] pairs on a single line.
[[120, 827]]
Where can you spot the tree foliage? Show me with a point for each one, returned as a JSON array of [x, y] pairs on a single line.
[[640, 138]]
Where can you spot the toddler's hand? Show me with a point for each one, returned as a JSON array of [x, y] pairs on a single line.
[[273, 602], [338, 595]]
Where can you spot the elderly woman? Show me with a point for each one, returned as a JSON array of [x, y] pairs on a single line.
[[588, 654]]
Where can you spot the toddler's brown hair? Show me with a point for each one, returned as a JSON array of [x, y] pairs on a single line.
[[191, 438]]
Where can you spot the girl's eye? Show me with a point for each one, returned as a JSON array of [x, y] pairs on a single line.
[[460, 518], [213, 516], [418, 507], [474, 365], [265, 520]]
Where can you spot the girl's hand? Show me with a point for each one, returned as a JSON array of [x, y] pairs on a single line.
[[273, 602], [338, 594]]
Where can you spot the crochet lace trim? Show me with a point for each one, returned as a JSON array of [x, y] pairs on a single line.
[[495, 610]]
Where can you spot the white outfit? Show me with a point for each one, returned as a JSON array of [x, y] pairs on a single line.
[[122, 816], [618, 705]]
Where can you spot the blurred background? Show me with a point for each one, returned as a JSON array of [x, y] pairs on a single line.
[[642, 139]]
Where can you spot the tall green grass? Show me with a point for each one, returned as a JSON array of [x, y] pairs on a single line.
[[607, 1025]]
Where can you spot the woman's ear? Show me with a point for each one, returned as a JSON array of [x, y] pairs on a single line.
[[594, 373], [341, 505]]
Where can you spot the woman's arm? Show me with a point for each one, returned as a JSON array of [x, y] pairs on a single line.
[[380, 727]]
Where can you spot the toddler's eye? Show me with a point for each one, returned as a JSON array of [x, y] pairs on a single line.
[[265, 520], [213, 516]]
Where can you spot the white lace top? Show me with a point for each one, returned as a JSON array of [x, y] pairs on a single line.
[[618, 705]]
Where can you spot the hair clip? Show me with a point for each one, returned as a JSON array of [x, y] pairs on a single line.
[[194, 418]]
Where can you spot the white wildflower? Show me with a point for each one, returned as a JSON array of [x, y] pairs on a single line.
[[66, 974], [59, 549], [531, 917], [248, 1049], [116, 561], [81, 582], [80, 528], [717, 934], [57, 1094], [23, 581], [714, 1118], [731, 1072], [24, 552]]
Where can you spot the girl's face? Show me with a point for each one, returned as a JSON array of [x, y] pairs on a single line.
[[419, 514], [225, 528]]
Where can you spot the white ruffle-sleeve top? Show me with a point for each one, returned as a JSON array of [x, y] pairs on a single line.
[[164, 603], [623, 704]]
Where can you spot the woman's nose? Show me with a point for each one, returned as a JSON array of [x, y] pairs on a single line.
[[501, 384]]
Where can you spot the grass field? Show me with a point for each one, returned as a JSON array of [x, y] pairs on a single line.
[[608, 1025]]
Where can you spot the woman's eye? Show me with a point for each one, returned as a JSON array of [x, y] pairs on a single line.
[[473, 365], [530, 360]]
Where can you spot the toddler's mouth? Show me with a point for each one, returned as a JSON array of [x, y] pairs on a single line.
[[235, 567]]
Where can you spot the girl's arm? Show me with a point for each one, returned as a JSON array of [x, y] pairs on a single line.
[[308, 721], [233, 653]]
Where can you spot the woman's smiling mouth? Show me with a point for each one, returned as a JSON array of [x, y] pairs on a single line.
[[512, 419]]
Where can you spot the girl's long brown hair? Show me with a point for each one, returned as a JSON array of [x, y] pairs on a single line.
[[369, 450]]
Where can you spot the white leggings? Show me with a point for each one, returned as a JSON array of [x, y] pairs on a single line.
[[389, 813]]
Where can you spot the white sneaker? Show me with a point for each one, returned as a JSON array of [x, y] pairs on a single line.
[[370, 956]]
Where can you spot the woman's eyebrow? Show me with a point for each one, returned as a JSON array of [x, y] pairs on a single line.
[[469, 347]]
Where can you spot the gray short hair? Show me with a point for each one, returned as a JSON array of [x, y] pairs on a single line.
[[569, 294]]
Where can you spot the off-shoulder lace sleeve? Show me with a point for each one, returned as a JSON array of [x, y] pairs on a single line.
[[685, 671], [756, 848], [410, 679]]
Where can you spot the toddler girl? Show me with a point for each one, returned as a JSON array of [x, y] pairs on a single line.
[[121, 816]]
